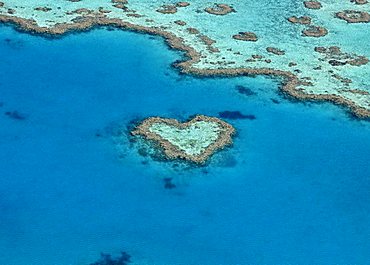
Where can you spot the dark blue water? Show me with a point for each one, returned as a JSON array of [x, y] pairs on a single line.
[[294, 188]]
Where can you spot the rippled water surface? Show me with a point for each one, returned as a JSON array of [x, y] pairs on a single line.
[[293, 189]]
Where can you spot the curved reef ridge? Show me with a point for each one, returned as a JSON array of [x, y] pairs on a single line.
[[212, 48], [195, 140]]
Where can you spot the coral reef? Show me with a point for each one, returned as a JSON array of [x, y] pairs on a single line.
[[315, 31], [304, 20], [359, 2], [245, 36], [312, 4], [353, 16], [208, 49], [195, 140], [219, 9], [335, 57], [275, 51], [167, 9]]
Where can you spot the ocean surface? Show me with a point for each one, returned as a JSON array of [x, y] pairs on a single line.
[[293, 189]]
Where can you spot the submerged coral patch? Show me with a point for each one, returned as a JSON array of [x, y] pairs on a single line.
[[245, 91], [14, 44], [195, 140], [235, 115], [15, 115], [168, 184], [107, 259]]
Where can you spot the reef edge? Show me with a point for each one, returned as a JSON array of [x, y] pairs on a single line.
[[289, 83], [174, 152]]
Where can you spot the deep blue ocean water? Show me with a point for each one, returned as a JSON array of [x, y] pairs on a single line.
[[293, 189]]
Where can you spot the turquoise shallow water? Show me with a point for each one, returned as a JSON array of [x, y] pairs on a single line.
[[294, 188]]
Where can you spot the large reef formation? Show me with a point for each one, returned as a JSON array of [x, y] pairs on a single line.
[[194, 141], [232, 54]]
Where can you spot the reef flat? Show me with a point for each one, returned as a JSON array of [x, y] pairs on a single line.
[[195, 140], [318, 48]]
